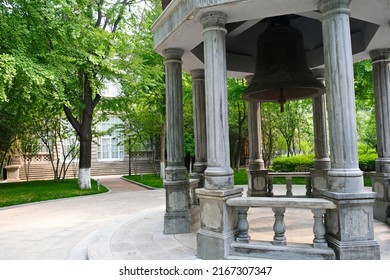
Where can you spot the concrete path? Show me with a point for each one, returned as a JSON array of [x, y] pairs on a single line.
[[51, 230], [125, 224]]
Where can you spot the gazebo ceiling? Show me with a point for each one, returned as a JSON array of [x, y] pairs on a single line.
[[179, 26], [242, 36]]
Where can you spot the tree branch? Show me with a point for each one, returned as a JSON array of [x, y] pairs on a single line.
[[96, 101], [76, 125], [100, 14]]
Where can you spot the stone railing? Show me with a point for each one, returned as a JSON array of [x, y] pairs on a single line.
[[194, 184], [41, 157], [244, 246], [288, 176]]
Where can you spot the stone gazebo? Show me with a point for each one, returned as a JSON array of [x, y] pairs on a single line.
[[213, 39]]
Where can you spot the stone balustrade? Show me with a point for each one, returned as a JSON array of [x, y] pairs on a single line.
[[288, 176], [245, 246], [194, 184]]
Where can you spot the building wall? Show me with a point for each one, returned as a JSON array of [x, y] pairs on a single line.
[[141, 163]]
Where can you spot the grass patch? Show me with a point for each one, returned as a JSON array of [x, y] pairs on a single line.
[[150, 180], [34, 191], [367, 181], [240, 177], [295, 180]]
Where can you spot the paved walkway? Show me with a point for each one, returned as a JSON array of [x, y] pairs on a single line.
[[126, 223]]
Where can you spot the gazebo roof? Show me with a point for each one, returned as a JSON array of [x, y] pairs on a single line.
[[179, 27]]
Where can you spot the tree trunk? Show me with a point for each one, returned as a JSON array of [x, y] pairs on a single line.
[[84, 130], [85, 162]]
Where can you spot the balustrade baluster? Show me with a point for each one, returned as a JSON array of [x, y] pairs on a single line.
[[309, 187], [319, 230], [289, 186], [279, 226], [270, 186], [242, 225]]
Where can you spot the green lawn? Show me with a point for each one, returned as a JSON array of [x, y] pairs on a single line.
[[150, 180], [34, 191], [240, 178], [155, 181]]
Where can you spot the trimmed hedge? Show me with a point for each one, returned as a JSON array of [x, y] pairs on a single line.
[[367, 161], [302, 163], [293, 164]]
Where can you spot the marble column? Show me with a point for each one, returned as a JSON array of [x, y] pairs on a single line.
[[218, 220], [321, 150], [219, 174], [257, 175], [350, 226], [176, 183], [381, 178], [199, 112]]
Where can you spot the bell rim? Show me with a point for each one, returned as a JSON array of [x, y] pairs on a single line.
[[268, 95]]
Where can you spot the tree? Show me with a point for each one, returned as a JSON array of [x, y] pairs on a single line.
[[101, 33], [238, 120], [142, 103], [365, 103], [268, 130], [292, 123], [27, 81]]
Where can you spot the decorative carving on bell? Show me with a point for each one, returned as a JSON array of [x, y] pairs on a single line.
[[281, 72]]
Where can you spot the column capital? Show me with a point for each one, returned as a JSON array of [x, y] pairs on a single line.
[[379, 55], [173, 54], [328, 7], [214, 21], [197, 74]]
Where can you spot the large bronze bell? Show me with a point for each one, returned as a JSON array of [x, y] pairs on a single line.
[[281, 72]]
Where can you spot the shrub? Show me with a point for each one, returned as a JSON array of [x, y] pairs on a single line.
[[367, 161], [306, 162], [293, 164]]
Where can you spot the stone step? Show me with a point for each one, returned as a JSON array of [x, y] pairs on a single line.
[[266, 250]]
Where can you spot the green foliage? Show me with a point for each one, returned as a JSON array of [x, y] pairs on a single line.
[[141, 105], [8, 72], [189, 144], [364, 87], [238, 119], [367, 161], [306, 162], [33, 191], [293, 164]]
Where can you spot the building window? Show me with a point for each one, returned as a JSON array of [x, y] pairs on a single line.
[[110, 145]]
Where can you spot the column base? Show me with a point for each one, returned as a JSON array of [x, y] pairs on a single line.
[[177, 214], [214, 246], [218, 179], [257, 183], [382, 165], [319, 180], [357, 250], [322, 164], [345, 180], [218, 223], [177, 222], [350, 227], [381, 186]]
